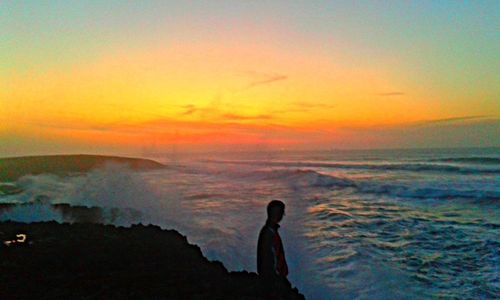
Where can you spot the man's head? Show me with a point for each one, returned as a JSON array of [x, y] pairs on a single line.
[[275, 211]]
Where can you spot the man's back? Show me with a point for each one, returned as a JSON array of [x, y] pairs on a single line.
[[266, 259], [270, 253]]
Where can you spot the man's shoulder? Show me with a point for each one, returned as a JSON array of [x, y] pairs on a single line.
[[266, 231]]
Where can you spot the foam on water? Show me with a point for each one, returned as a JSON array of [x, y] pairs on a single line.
[[356, 233], [377, 166]]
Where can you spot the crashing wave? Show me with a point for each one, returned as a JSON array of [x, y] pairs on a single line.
[[426, 192], [302, 178], [412, 167]]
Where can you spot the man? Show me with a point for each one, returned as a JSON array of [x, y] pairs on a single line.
[[271, 262]]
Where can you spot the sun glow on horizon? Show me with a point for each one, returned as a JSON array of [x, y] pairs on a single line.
[[252, 83]]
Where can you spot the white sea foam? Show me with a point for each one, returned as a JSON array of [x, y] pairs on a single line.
[[345, 236]]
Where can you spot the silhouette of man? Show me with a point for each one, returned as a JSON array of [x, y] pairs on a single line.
[[271, 262]]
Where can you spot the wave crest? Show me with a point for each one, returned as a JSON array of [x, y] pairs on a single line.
[[411, 167], [474, 160], [415, 191], [303, 178]]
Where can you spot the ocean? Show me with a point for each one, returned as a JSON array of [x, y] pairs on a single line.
[[359, 224]]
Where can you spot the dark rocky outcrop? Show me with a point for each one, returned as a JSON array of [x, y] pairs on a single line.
[[92, 261]]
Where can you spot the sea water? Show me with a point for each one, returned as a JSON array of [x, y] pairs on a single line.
[[379, 224]]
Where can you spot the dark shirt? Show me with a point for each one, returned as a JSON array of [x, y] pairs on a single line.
[[271, 260]]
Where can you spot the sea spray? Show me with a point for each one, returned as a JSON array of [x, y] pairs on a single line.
[[348, 233]]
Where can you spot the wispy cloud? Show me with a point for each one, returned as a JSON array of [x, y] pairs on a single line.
[[189, 110], [451, 119], [222, 115], [259, 79], [442, 122], [309, 106], [303, 107], [269, 79], [76, 126], [236, 117], [391, 94]]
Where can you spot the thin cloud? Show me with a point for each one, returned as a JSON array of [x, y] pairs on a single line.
[[259, 79], [243, 117], [451, 120], [301, 107], [391, 94], [190, 109], [216, 113], [270, 79], [423, 123], [309, 106], [76, 126]]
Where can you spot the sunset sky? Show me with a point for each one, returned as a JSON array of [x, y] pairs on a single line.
[[132, 76]]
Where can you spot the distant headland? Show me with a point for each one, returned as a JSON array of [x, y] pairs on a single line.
[[14, 167]]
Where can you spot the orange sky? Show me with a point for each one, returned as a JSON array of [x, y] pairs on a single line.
[[250, 85]]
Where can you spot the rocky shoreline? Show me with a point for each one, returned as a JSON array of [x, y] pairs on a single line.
[[48, 260]]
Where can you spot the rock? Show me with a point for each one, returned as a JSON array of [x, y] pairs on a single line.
[[93, 261]]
